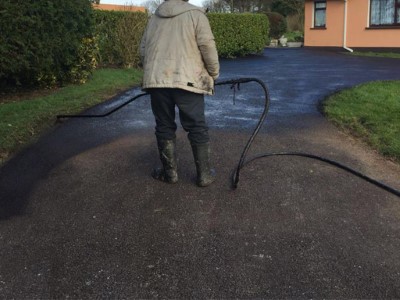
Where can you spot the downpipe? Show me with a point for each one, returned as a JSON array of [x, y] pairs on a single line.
[[345, 28]]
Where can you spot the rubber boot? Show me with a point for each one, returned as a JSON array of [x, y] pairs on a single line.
[[169, 171], [205, 174]]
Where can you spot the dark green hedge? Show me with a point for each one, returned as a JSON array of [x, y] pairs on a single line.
[[239, 34], [41, 40], [118, 35], [51, 41]]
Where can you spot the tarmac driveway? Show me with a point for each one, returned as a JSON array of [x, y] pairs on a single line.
[[81, 217]]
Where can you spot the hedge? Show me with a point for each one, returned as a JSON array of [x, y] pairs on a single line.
[[118, 35], [239, 34], [42, 41], [49, 42]]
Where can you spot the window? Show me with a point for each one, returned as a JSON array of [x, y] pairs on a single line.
[[385, 12], [320, 13]]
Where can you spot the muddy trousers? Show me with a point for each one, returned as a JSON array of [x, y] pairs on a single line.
[[191, 114]]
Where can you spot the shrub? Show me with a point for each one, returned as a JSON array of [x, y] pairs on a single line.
[[295, 22], [40, 40], [118, 34], [86, 61], [294, 36], [129, 32], [105, 24], [239, 34], [278, 25]]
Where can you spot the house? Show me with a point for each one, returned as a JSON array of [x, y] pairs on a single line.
[[119, 7], [352, 24]]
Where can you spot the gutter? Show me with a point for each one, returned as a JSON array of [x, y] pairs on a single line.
[[345, 28]]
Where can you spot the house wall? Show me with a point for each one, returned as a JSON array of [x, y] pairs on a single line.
[[358, 34], [332, 35], [119, 7]]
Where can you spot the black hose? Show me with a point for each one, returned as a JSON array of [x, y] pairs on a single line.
[[236, 175], [105, 114], [331, 162], [242, 162]]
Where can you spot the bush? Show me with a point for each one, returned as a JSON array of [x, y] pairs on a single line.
[[129, 32], [40, 40], [105, 24], [294, 36], [277, 23], [118, 34], [239, 34], [86, 61], [295, 22]]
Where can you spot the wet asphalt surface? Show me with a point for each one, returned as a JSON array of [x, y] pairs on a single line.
[[82, 218]]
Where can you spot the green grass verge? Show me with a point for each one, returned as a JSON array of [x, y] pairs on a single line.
[[375, 54], [23, 120], [370, 111]]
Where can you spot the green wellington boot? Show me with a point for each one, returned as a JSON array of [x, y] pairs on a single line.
[[205, 174], [169, 172]]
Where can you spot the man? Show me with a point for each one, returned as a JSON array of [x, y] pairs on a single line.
[[180, 63]]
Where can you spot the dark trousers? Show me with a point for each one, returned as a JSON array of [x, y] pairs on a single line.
[[191, 114]]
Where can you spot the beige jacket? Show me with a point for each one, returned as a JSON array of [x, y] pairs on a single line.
[[178, 49]]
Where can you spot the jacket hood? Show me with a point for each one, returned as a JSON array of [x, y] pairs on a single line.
[[172, 8]]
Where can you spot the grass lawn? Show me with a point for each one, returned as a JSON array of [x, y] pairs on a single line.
[[375, 54], [371, 112], [23, 119]]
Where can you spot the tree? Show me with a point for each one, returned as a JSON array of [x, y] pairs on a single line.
[[293, 10], [288, 7], [237, 5], [95, 1], [263, 5], [152, 5], [277, 24], [215, 6]]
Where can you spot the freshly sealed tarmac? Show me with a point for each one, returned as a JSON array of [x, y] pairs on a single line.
[[82, 218]]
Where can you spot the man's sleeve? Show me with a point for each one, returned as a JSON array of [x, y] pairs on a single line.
[[206, 43]]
